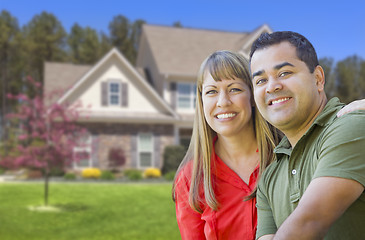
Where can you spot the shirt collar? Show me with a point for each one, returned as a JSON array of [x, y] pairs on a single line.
[[327, 115]]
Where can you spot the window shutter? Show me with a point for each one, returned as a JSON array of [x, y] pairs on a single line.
[[124, 93], [94, 151], [156, 151], [134, 153], [173, 94], [104, 94]]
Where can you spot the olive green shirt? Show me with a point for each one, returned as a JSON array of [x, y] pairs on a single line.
[[331, 147]]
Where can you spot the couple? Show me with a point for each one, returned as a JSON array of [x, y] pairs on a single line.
[[313, 183]]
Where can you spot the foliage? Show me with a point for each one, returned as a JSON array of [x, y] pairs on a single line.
[[91, 173], [108, 211], [116, 157], [85, 46], [125, 36], [107, 175], [11, 64], [169, 176], [345, 79], [69, 176], [152, 173], [133, 174], [45, 40], [172, 156], [47, 133], [2, 171]]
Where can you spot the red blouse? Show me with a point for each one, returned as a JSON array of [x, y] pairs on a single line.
[[234, 219]]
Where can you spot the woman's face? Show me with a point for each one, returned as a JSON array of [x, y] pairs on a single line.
[[227, 105]]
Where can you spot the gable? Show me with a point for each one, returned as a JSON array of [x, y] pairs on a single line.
[[142, 100]]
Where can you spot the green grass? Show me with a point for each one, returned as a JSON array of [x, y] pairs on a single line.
[[89, 211]]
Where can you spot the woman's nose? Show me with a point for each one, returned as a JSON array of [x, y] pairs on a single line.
[[223, 99]]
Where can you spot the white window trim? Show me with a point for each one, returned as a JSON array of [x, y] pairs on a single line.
[[114, 94], [139, 152], [191, 96], [87, 149]]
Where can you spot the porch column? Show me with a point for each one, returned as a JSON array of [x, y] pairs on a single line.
[[176, 135]]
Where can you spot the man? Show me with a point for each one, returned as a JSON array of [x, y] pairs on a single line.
[[315, 188]]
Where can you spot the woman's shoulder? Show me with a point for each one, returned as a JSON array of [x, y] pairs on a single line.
[[185, 172]]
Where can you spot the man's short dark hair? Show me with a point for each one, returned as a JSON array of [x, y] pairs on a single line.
[[305, 50]]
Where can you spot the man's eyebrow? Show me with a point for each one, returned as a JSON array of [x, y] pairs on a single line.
[[257, 73], [277, 67]]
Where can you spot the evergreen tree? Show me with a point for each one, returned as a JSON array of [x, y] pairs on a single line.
[[125, 36], [45, 40], [10, 65], [327, 65], [105, 44], [84, 45], [347, 74]]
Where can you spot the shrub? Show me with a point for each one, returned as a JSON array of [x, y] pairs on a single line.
[[172, 157], [116, 157], [152, 173], [91, 173], [170, 175], [69, 176], [133, 174], [2, 171], [107, 175]]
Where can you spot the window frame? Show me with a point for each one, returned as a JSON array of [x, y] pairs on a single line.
[[139, 151], [86, 148], [191, 96], [118, 94]]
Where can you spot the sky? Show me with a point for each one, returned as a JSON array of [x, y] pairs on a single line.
[[335, 28]]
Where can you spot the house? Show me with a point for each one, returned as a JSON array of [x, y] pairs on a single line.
[[144, 108]]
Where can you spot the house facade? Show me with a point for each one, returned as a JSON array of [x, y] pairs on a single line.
[[144, 108]]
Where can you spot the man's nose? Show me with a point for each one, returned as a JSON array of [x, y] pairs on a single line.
[[273, 85]]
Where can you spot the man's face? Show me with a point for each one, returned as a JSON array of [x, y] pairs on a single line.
[[286, 93]]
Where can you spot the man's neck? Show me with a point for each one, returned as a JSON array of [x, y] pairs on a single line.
[[294, 135]]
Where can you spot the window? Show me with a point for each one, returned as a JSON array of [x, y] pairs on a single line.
[[114, 93], [83, 153], [186, 95], [145, 150]]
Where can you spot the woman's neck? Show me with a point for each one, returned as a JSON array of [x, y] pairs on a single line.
[[239, 153]]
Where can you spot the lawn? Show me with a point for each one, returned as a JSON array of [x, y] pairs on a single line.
[[89, 211]]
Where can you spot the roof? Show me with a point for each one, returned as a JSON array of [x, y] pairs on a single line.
[[180, 51], [62, 76]]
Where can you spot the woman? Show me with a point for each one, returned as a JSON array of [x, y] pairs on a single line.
[[210, 189]]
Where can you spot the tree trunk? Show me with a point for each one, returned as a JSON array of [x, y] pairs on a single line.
[[46, 180]]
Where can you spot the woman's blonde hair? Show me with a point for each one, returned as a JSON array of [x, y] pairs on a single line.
[[220, 65]]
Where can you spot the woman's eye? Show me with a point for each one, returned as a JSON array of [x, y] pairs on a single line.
[[210, 92]]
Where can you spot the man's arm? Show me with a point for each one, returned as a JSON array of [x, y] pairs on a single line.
[[323, 202]]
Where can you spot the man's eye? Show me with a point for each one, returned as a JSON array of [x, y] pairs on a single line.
[[260, 81], [236, 90], [283, 74]]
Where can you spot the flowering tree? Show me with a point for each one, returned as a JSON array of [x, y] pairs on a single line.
[[47, 136]]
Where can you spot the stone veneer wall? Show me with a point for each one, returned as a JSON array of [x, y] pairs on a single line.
[[108, 135]]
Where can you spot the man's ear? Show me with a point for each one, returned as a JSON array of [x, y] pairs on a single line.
[[320, 78]]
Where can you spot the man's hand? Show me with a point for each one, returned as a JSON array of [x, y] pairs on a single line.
[[323, 202]]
